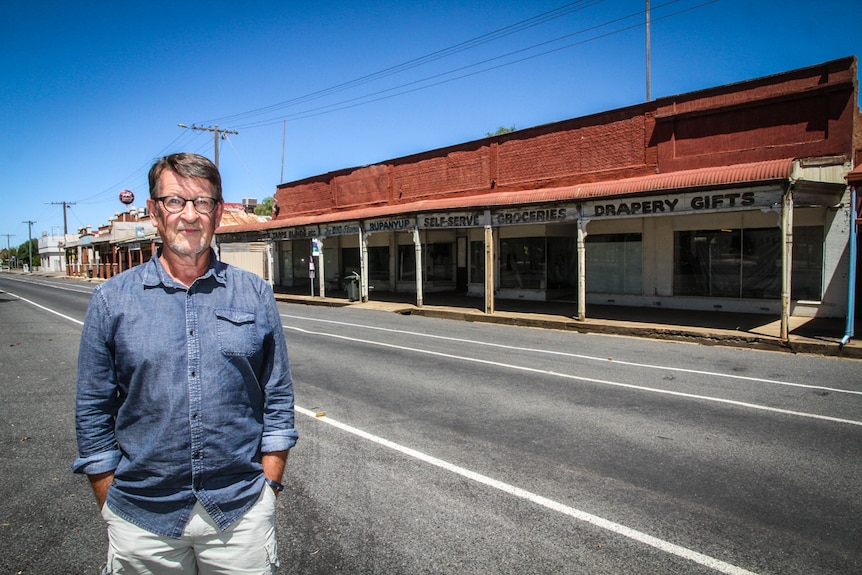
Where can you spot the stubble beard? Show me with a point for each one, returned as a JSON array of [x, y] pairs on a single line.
[[185, 248]]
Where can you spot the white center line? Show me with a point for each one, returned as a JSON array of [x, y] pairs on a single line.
[[580, 356], [49, 310], [587, 379]]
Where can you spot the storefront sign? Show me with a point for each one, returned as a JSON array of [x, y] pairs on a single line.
[[681, 203], [534, 216], [348, 229], [451, 220], [294, 233], [393, 225]]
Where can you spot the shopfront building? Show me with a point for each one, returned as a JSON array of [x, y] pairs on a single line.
[[729, 199]]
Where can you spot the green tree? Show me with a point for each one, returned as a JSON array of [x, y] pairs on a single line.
[[501, 130], [23, 255], [264, 208]]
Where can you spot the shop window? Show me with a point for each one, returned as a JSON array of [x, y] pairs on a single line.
[[406, 264], [350, 262], [522, 263], [477, 262], [562, 263], [728, 263], [330, 267], [807, 276], [439, 262], [378, 263], [301, 256], [614, 263], [286, 267]]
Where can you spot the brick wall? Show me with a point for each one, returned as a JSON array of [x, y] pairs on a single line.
[[802, 113]]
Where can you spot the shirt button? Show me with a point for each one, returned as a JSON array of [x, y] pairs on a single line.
[[193, 374]]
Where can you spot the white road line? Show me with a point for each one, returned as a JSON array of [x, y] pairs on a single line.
[[49, 310], [50, 285], [595, 520], [580, 356], [587, 379]]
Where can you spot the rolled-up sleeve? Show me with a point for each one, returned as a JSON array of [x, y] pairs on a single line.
[[279, 432], [96, 401]]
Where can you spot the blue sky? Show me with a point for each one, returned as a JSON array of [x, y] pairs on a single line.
[[92, 91]]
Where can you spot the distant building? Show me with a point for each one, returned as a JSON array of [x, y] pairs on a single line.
[[253, 256], [51, 254], [129, 239]]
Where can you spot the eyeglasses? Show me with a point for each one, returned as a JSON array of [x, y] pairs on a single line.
[[176, 204]]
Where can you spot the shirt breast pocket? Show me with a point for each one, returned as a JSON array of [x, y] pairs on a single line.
[[237, 332]]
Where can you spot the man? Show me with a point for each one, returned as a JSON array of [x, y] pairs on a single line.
[[184, 410]]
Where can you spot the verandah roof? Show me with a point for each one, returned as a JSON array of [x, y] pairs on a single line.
[[739, 175]]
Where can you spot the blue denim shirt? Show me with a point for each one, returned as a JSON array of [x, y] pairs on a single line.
[[179, 391]]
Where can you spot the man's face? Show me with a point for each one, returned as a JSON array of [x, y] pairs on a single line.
[[188, 232]]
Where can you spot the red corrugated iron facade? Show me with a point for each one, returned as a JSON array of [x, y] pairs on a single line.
[[742, 133]]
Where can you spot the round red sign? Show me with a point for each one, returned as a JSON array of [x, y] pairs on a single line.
[[127, 197]]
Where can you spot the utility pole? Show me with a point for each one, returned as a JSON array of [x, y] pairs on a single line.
[[8, 249], [283, 137], [217, 133], [647, 53], [65, 207], [30, 242]]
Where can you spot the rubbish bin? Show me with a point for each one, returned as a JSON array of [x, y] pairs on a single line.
[[352, 282]]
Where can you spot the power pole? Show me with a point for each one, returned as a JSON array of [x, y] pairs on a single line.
[[30, 242], [283, 137], [647, 53], [65, 207], [8, 249], [217, 133]]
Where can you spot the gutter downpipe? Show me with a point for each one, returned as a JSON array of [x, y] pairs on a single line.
[[851, 279]]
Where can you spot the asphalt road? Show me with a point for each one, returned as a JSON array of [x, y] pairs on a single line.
[[454, 447]]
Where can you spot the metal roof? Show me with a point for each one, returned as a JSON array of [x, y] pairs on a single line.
[[724, 176]]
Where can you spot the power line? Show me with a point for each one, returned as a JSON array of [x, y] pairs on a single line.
[[378, 96], [65, 207], [137, 173], [217, 134], [421, 60], [413, 63]]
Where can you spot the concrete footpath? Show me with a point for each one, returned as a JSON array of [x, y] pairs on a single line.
[[816, 336]]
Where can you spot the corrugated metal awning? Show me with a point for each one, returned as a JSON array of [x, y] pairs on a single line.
[[757, 173]]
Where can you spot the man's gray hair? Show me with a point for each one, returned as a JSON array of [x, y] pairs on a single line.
[[187, 166]]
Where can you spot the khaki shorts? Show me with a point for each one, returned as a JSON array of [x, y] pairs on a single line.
[[248, 547]]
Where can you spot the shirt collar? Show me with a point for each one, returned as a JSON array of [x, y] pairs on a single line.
[[154, 274]]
